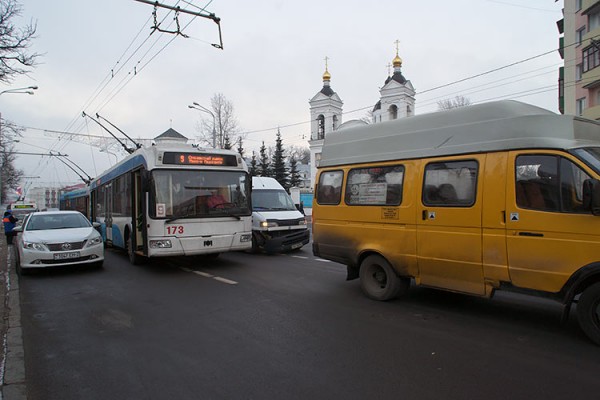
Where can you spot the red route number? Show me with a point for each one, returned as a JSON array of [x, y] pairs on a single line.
[[173, 229]]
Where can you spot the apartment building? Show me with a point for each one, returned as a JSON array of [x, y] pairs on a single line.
[[579, 79]]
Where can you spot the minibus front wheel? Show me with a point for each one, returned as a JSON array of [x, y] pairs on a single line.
[[379, 281], [588, 312]]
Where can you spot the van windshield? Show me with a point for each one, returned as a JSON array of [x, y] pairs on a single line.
[[272, 200], [589, 155]]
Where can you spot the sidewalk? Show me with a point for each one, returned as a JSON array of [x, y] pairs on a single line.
[[12, 367]]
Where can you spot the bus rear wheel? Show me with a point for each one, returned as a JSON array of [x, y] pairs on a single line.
[[379, 281], [588, 312]]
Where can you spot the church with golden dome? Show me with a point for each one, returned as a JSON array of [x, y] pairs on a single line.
[[397, 100]]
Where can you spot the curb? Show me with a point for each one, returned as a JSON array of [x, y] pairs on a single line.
[[13, 357]]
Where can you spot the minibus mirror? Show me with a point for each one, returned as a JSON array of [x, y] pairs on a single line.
[[591, 196]]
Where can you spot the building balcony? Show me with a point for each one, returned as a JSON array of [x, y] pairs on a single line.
[[589, 6], [591, 78], [592, 112]]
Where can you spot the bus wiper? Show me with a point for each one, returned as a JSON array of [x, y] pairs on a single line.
[[176, 217], [233, 215]]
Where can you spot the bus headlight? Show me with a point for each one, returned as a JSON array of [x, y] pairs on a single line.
[[160, 244]]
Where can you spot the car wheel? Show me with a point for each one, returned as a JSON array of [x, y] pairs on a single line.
[[588, 312], [379, 281]]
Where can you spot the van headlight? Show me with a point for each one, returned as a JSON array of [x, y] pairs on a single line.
[[268, 224]]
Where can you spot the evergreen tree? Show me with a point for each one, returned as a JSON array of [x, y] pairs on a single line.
[[294, 173], [264, 166], [240, 148], [227, 143], [280, 172], [253, 166]]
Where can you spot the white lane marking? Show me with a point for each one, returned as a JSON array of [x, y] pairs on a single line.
[[230, 282], [323, 260], [302, 257], [204, 274]]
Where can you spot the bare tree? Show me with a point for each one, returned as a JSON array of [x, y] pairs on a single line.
[[299, 153], [221, 125], [458, 101], [10, 175], [15, 59]]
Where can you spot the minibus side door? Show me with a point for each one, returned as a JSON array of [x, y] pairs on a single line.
[[449, 233], [549, 234]]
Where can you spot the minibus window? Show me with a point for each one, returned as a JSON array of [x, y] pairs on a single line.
[[375, 186], [451, 184], [549, 183], [590, 155], [330, 187]]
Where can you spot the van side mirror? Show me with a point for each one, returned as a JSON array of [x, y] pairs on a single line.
[[591, 196]]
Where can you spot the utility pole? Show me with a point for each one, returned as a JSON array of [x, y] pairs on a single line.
[[24, 90]]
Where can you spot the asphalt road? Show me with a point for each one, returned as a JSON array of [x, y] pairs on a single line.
[[287, 327]]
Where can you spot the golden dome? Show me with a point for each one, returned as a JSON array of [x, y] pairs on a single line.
[[397, 62], [326, 75]]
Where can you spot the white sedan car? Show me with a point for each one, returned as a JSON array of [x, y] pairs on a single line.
[[58, 238]]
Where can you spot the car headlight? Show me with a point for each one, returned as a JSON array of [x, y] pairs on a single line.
[[269, 224], [35, 246], [94, 241]]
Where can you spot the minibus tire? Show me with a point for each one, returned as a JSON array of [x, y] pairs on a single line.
[[588, 312], [379, 281]]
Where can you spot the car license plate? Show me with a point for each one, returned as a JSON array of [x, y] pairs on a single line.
[[66, 256], [296, 246]]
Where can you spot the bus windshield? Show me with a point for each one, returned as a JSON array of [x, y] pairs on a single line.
[[198, 194]]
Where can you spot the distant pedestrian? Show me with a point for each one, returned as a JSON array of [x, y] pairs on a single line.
[[9, 221]]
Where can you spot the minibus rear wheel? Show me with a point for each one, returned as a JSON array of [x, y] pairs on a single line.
[[379, 281], [588, 312]]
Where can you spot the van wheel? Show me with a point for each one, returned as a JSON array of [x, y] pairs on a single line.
[[379, 281], [134, 258], [588, 312]]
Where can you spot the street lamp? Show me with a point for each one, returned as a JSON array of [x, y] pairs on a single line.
[[25, 90], [198, 107], [110, 152]]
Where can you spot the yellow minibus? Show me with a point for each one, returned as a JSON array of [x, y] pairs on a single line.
[[495, 196]]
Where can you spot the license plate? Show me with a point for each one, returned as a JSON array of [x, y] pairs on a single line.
[[66, 256], [296, 245]]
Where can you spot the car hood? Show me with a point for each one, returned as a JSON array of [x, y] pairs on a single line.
[[58, 235], [277, 215]]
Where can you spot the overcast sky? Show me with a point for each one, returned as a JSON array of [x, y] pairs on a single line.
[[271, 65]]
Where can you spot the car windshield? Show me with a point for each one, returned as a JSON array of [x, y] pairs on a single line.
[[272, 200], [38, 222]]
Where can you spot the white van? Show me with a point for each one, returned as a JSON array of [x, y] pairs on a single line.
[[277, 226]]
